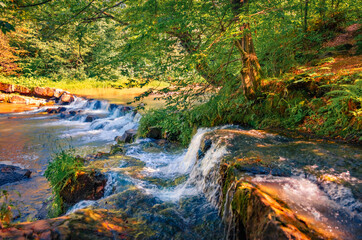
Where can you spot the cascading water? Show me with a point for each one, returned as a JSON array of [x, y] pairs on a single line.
[[93, 123], [28, 140]]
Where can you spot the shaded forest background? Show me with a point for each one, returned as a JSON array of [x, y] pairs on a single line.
[[255, 63]]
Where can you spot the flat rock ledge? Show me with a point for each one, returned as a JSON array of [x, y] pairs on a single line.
[[247, 210], [10, 174], [83, 224]]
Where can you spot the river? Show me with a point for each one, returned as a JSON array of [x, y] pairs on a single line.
[[167, 192]]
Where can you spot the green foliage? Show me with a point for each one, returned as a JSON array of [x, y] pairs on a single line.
[[336, 113], [343, 113], [6, 27], [63, 167], [6, 208], [174, 124], [73, 84]]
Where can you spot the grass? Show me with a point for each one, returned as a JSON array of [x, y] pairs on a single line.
[[74, 84], [64, 166]]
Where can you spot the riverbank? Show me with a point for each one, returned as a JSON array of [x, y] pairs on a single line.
[[320, 99]]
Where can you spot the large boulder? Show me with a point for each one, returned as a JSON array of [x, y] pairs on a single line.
[[22, 90], [6, 87], [9, 174], [90, 118], [252, 214], [67, 98], [128, 137], [44, 92], [86, 186]]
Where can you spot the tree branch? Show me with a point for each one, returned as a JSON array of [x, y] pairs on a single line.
[[35, 4]]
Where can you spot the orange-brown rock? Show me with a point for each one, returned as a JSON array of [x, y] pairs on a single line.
[[257, 215], [86, 186], [17, 99], [6, 87], [44, 92], [58, 93], [67, 98], [22, 90], [83, 224]]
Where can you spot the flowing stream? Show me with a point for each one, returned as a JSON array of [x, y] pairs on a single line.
[[172, 192], [28, 139]]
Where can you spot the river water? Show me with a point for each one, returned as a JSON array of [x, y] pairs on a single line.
[[166, 191], [28, 139]]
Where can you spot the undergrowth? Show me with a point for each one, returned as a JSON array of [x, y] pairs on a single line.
[[307, 102]]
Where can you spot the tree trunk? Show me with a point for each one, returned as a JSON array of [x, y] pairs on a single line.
[[306, 15], [250, 72]]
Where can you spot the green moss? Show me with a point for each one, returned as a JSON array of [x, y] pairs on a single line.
[[240, 202]]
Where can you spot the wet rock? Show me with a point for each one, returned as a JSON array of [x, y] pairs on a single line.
[[117, 149], [58, 93], [154, 132], [64, 115], [51, 110], [256, 169], [9, 174], [61, 109], [7, 88], [205, 146], [112, 107], [17, 99], [86, 186], [128, 137], [67, 98], [56, 110], [75, 112], [253, 208], [90, 118], [100, 155], [152, 147], [254, 215], [44, 92], [126, 109], [83, 224]]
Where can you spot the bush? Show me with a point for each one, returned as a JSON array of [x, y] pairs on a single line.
[[175, 124]]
